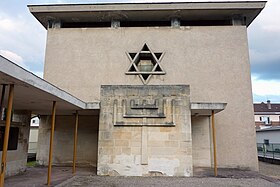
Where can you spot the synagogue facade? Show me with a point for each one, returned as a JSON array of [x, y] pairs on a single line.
[[161, 74]]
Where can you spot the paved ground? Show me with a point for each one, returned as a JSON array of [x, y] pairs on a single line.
[[269, 176], [270, 170], [165, 182], [37, 176]]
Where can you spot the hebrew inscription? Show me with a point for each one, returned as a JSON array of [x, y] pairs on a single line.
[[144, 108]]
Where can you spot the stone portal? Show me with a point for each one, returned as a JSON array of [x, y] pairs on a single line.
[[145, 131]]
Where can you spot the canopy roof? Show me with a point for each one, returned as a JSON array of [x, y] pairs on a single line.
[[188, 11], [205, 109]]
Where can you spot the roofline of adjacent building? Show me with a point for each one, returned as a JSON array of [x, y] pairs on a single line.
[[266, 103], [267, 113], [269, 129]]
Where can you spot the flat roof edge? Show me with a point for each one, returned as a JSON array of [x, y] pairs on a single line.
[[268, 113], [137, 3], [208, 106], [93, 105], [268, 129], [146, 6], [146, 11]]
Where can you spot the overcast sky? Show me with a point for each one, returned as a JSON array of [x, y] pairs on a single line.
[[23, 39]]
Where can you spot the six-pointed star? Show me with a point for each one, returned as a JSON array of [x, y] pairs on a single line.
[[145, 63]]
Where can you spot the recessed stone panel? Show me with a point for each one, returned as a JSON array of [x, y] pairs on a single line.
[[137, 131]]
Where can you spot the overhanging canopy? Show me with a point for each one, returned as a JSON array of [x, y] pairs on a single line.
[[73, 13], [205, 109]]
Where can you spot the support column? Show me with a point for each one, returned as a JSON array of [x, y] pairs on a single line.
[[51, 143], [175, 23], [75, 142], [214, 144], [115, 24], [6, 136]]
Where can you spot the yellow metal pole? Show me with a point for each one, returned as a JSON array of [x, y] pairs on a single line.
[[214, 144], [6, 135], [51, 142], [75, 142]]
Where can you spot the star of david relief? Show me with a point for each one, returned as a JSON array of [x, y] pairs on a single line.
[[145, 63]]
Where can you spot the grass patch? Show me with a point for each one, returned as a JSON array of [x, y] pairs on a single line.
[[31, 164]]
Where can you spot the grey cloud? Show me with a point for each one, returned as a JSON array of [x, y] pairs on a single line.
[[267, 70], [264, 53]]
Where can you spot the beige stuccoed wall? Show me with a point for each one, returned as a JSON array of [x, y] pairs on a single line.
[[214, 61], [201, 145], [63, 140]]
